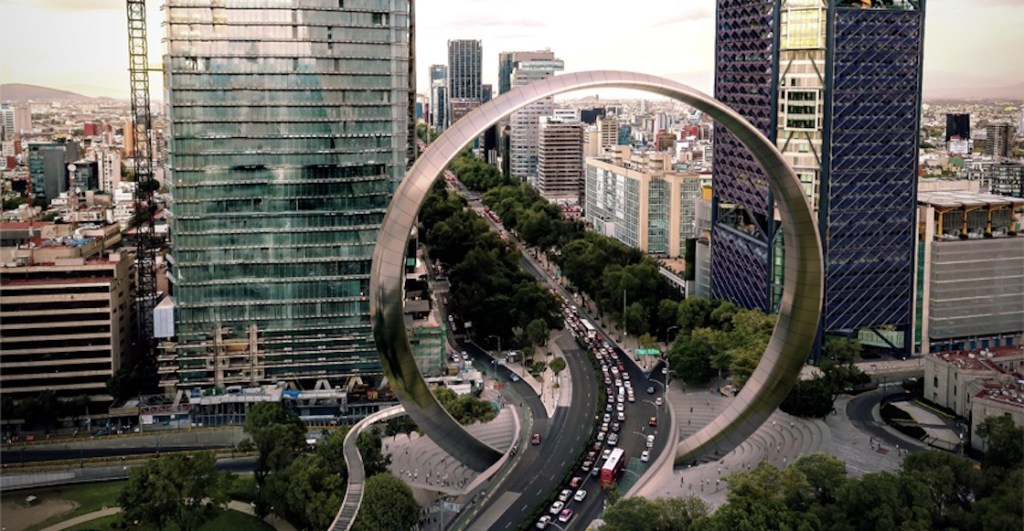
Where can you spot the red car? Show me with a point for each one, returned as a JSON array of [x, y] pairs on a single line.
[[653, 421], [535, 439]]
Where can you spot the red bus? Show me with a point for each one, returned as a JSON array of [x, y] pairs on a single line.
[[612, 467]]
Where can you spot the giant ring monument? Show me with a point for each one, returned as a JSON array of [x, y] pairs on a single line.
[[788, 347]]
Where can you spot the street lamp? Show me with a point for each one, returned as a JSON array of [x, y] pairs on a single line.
[[668, 332]]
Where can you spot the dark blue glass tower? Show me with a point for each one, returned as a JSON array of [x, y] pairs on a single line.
[[837, 86]]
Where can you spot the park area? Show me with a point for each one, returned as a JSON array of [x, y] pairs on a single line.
[[67, 508]]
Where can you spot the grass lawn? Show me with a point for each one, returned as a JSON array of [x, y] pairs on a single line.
[[88, 497], [225, 521]]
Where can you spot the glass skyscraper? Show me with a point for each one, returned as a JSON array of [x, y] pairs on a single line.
[[288, 133], [837, 85]]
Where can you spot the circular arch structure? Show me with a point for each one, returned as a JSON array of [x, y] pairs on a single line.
[[787, 349]]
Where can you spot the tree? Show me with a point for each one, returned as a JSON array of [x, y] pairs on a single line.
[[690, 357], [824, 473], [809, 398], [1004, 442], [182, 489], [765, 498], [466, 409], [387, 505], [537, 332], [279, 436], [841, 349], [374, 461], [308, 493], [557, 365]]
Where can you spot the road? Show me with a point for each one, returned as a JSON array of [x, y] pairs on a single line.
[[859, 411], [30, 454], [572, 428]]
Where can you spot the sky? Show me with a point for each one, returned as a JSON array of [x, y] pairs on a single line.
[[81, 45]]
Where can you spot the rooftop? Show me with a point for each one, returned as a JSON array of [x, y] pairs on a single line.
[[960, 199], [981, 359]]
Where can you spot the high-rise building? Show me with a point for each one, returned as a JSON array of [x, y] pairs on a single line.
[[15, 120], [280, 179], [958, 125], [438, 96], [530, 67], [465, 87], [802, 71], [639, 200], [1000, 136], [48, 169], [607, 132], [560, 160], [109, 169]]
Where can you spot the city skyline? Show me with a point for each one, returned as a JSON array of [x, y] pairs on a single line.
[[986, 59]]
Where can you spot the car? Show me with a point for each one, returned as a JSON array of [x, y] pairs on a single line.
[[631, 398], [600, 435], [625, 376], [616, 427], [591, 455], [650, 441], [455, 358], [543, 522], [653, 421], [535, 439], [607, 418], [657, 401], [650, 389], [622, 416], [580, 495], [596, 471], [622, 407], [565, 515], [564, 495], [556, 507], [586, 466], [608, 407], [606, 453], [621, 398], [597, 446], [514, 377], [645, 456], [613, 439], [576, 482], [664, 370]]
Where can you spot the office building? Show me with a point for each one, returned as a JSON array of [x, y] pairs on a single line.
[[109, 169], [15, 120], [48, 169], [1005, 177], [277, 201], [801, 71], [465, 88], [84, 175], [970, 270], [639, 200], [438, 96], [530, 67], [958, 125], [560, 160], [66, 313], [999, 139], [607, 132]]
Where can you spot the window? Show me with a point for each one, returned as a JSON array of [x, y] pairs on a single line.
[[935, 381]]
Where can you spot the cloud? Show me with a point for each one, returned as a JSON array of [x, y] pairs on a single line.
[[691, 13]]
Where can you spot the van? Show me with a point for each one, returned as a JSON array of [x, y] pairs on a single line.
[[650, 441]]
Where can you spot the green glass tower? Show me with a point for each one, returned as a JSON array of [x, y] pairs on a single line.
[[288, 131]]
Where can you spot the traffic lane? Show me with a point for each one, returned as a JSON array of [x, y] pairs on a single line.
[[859, 410], [557, 453]]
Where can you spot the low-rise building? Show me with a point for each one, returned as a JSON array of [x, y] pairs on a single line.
[[977, 384]]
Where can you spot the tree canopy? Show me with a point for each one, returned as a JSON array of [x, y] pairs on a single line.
[[387, 505], [178, 488]]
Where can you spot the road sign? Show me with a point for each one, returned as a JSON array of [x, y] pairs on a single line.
[[647, 352]]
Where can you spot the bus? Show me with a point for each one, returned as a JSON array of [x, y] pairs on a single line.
[[612, 467], [590, 330]]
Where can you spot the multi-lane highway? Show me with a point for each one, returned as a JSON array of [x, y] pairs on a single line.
[[570, 432]]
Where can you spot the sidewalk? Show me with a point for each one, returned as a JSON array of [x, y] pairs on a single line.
[[233, 505]]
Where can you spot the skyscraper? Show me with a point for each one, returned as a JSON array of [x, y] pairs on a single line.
[[837, 85], [48, 169], [560, 160], [438, 96], [287, 139], [465, 88], [1000, 139], [528, 67]]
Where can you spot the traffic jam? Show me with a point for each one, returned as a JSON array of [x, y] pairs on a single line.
[[604, 460]]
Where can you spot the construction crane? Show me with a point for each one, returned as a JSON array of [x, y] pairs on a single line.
[[145, 184]]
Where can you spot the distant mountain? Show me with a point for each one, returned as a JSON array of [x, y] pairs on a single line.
[[21, 92], [954, 92]]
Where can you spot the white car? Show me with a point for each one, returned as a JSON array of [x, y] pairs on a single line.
[[645, 456], [650, 441], [564, 495], [657, 401], [622, 407], [543, 522], [622, 416], [556, 507], [580, 495]]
